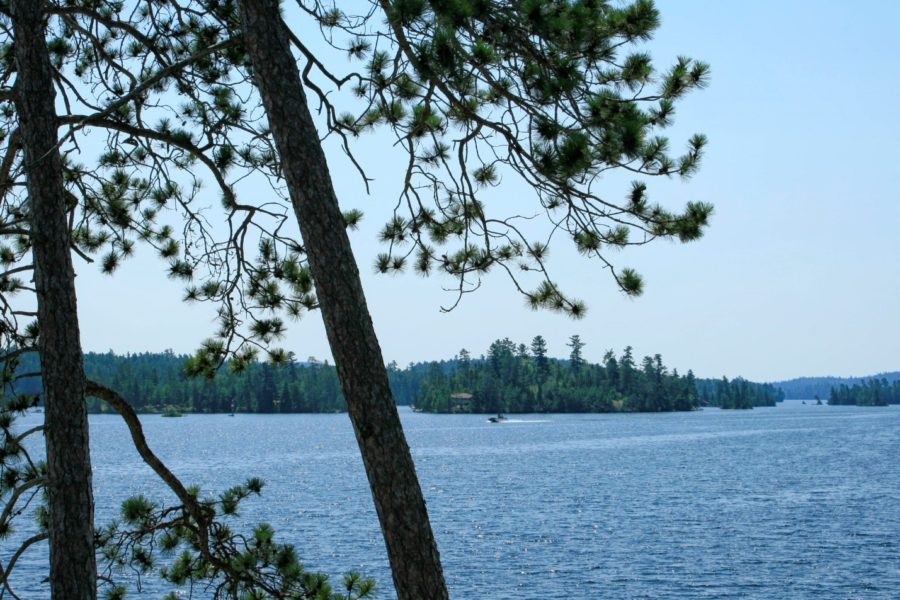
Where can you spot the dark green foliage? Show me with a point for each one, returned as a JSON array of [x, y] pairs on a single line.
[[21, 476], [576, 361], [804, 388], [162, 94], [554, 92], [737, 393], [873, 392], [172, 543], [151, 382], [510, 379], [548, 89], [181, 544]]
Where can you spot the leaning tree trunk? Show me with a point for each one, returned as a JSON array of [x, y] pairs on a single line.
[[70, 499], [415, 562]]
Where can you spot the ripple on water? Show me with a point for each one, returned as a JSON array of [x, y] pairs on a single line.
[[796, 502]]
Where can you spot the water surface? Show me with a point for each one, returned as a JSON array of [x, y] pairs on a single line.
[[794, 502]]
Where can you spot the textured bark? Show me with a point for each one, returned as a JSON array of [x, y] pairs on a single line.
[[70, 499], [415, 562]]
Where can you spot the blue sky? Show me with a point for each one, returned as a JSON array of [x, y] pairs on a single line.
[[797, 275]]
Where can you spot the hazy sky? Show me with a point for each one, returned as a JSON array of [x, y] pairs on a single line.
[[798, 274]]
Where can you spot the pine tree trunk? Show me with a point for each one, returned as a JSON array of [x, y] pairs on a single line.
[[70, 499], [413, 554]]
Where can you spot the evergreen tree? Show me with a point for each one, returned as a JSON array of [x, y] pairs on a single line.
[[539, 352], [576, 360], [266, 396], [539, 89], [464, 359], [541, 368], [70, 500], [877, 391], [689, 395], [737, 393], [508, 382], [627, 372], [612, 370]]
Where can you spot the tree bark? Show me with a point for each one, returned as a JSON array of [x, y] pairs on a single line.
[[73, 569], [411, 548]]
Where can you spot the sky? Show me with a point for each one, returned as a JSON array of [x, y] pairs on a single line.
[[798, 274]]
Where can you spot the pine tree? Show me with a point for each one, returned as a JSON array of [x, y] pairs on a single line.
[[69, 493], [576, 360], [538, 90], [627, 371]]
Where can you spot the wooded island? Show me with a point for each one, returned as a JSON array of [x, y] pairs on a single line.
[[510, 377]]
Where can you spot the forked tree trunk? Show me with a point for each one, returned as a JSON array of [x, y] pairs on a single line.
[[413, 554], [73, 569]]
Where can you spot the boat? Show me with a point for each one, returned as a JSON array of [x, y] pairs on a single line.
[[498, 419]]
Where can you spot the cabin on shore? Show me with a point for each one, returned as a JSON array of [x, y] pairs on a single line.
[[461, 402]]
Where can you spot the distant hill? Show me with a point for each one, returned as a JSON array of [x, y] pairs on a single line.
[[805, 388]]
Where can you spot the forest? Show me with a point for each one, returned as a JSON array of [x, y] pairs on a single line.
[[151, 381], [518, 378], [522, 379], [510, 377], [807, 388], [737, 393], [873, 392]]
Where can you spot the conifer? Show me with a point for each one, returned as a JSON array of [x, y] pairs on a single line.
[[552, 92]]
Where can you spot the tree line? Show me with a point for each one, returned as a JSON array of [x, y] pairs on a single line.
[[806, 388], [518, 378], [737, 393], [873, 392], [509, 378], [152, 381]]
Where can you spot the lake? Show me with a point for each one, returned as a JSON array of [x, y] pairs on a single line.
[[794, 502]]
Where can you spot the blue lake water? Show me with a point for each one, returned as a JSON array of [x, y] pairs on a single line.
[[794, 502]]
